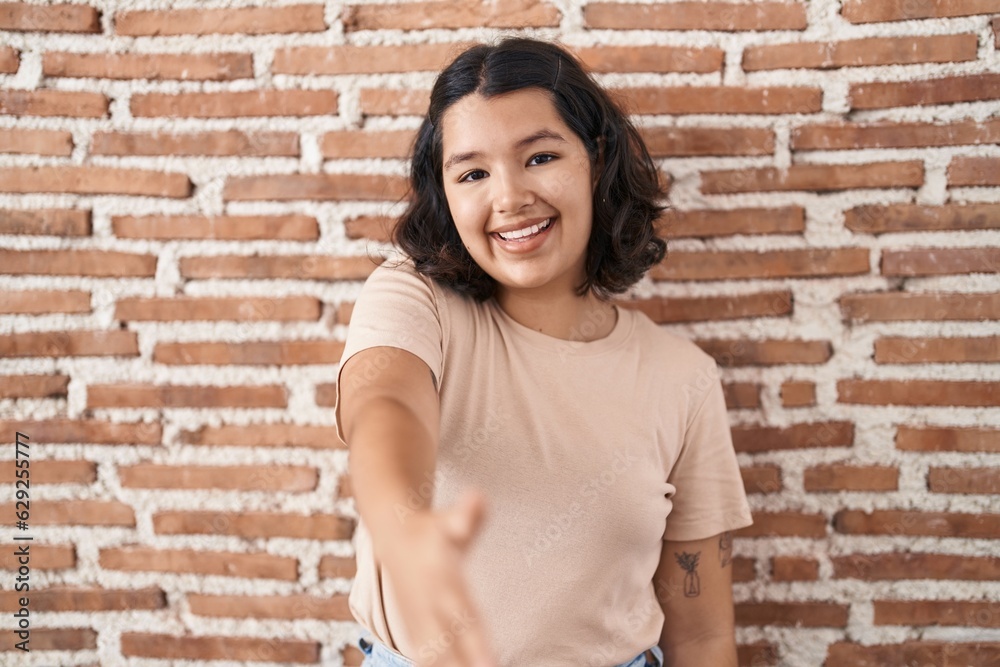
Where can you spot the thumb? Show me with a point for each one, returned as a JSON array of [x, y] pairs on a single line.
[[463, 521]]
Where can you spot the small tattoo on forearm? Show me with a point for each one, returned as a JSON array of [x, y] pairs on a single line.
[[726, 548], [692, 584]]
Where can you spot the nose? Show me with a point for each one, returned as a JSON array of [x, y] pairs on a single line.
[[511, 191]]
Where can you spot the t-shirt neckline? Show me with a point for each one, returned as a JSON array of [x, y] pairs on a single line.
[[620, 332]]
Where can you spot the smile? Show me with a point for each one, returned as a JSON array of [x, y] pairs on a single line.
[[528, 232], [525, 240]]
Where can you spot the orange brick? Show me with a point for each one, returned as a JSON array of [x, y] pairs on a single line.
[[996, 32], [971, 171], [696, 141], [332, 567], [299, 267], [53, 103], [744, 569], [947, 439], [212, 563], [43, 557], [325, 187], [222, 308], [940, 261], [814, 177], [237, 104], [794, 568], [902, 350], [77, 513], [963, 480], [89, 599], [979, 654], [785, 524], [759, 654], [743, 352], [113, 343], [865, 52], [754, 439], [859, 11], [697, 309], [875, 219], [29, 17], [841, 477], [152, 66], [705, 223], [394, 102], [796, 614], [240, 478], [930, 306], [719, 99], [221, 143], [10, 60], [734, 264], [890, 134], [449, 15], [798, 393], [741, 394], [651, 58], [292, 607], [258, 353], [34, 386], [46, 222], [122, 395], [937, 612], [918, 392], [944, 90], [264, 435], [56, 143], [89, 431], [62, 472], [229, 227], [246, 20], [367, 143], [716, 16], [374, 59], [94, 181], [762, 479], [904, 522], [252, 524], [175, 647], [908, 565], [58, 639]]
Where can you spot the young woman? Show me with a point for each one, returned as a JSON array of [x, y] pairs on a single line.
[[543, 478]]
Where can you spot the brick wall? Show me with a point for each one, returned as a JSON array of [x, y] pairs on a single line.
[[187, 197]]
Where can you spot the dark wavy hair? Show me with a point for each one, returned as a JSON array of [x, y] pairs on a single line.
[[623, 243]]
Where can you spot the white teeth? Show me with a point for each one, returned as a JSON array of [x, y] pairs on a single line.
[[521, 233]]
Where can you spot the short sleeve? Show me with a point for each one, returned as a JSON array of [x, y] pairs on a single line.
[[397, 307], [709, 497]]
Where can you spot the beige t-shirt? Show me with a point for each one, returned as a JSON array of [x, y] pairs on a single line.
[[590, 454]]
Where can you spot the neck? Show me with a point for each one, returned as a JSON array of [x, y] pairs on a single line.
[[565, 316]]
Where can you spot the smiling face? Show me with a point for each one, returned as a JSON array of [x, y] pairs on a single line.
[[510, 162]]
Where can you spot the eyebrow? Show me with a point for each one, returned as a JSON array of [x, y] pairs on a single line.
[[544, 133]]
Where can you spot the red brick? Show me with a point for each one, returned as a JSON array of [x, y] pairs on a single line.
[[839, 477], [10, 60], [255, 353], [944, 90], [705, 223], [36, 142], [996, 32], [46, 222], [754, 439], [87, 599], [814, 177], [325, 187], [743, 352], [762, 479], [94, 181], [650, 58], [123, 395], [903, 350], [394, 102], [222, 308], [43, 557], [860, 11], [236, 104], [796, 614], [447, 15], [61, 472], [29, 17], [253, 524], [151, 66], [937, 612], [698, 141], [367, 143], [112, 343], [234, 478], [53, 103], [299, 267], [918, 392], [245, 20], [930, 306], [264, 435], [697, 309], [876, 219], [34, 386], [229, 227], [201, 647], [903, 522], [891, 134], [212, 563], [715, 16], [719, 100], [794, 568], [947, 439], [374, 59], [76, 513], [785, 524], [908, 565], [759, 654], [979, 654], [335, 567], [864, 52], [964, 480], [741, 394], [940, 261], [89, 431], [734, 264], [285, 606], [58, 639], [796, 394], [223, 143], [970, 171]]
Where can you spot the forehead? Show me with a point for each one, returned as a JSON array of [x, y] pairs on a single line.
[[475, 121]]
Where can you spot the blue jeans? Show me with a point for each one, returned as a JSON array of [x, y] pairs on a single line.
[[378, 654]]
